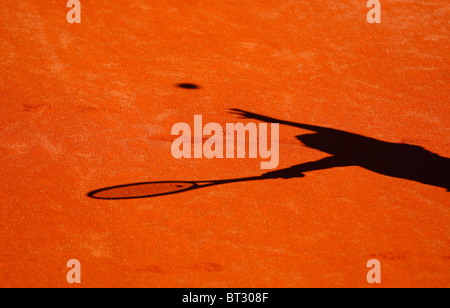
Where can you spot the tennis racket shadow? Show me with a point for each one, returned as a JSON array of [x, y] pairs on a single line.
[[159, 189]]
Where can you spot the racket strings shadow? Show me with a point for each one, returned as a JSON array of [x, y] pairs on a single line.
[[142, 190]]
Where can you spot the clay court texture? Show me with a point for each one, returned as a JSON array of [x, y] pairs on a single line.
[[90, 106]]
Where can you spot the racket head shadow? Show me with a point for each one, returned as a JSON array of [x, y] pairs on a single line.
[[143, 190]]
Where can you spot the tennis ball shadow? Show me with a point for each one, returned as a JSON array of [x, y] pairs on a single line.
[[188, 86]]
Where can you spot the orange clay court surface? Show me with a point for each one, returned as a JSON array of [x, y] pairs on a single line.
[[91, 105]]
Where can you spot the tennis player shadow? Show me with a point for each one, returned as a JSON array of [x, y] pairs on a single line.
[[346, 149]]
